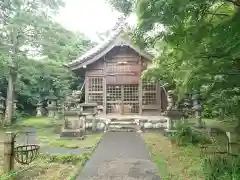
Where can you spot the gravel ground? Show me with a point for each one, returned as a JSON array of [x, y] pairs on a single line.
[[120, 156]]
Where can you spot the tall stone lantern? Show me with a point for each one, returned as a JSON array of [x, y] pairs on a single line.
[[2, 100], [170, 99], [52, 105], [187, 105], [39, 109], [197, 108]]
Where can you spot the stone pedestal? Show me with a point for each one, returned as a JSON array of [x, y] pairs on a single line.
[[73, 126], [89, 110]]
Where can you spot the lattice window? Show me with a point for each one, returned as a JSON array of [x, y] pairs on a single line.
[[122, 99], [95, 84], [149, 86], [149, 98], [95, 90], [131, 108], [114, 98], [131, 98], [131, 93], [114, 93], [149, 93], [113, 108], [95, 98]]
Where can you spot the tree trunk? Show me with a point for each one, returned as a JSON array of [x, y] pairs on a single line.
[[9, 100]]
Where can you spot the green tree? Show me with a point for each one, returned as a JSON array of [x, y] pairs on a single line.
[[123, 6], [197, 48], [27, 31]]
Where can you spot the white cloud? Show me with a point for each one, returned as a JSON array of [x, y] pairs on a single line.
[[89, 16]]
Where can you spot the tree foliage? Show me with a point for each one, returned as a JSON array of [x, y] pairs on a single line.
[[122, 6], [38, 48], [196, 45], [198, 48]]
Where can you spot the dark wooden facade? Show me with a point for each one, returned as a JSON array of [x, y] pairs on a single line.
[[112, 72], [114, 82]]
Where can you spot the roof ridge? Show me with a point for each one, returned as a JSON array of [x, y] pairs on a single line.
[[119, 28]]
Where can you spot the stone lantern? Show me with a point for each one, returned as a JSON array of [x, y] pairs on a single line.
[[15, 104], [197, 108], [39, 109], [52, 105], [187, 105], [170, 100], [58, 113], [78, 99], [2, 100]]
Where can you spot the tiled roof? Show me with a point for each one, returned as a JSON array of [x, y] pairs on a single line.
[[116, 31]]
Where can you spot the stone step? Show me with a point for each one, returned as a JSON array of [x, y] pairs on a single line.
[[123, 126], [122, 123], [122, 120], [122, 130]]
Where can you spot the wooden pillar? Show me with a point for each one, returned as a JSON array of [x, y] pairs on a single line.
[[86, 88], [160, 92], [140, 96], [158, 95], [122, 100], [104, 88], [140, 85], [8, 152]]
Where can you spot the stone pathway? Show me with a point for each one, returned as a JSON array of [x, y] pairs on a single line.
[[120, 156]]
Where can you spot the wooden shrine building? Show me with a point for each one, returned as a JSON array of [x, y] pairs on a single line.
[[112, 72]]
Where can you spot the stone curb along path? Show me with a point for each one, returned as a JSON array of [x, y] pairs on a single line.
[[120, 156]]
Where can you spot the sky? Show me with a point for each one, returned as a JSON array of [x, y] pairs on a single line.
[[89, 17]]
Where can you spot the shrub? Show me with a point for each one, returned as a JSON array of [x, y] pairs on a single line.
[[185, 135], [221, 167], [18, 116]]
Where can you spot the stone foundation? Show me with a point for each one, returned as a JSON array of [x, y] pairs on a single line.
[[128, 124]]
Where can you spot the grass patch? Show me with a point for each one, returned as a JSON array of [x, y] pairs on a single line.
[[53, 140], [47, 166], [48, 133], [173, 162], [35, 122], [44, 167]]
